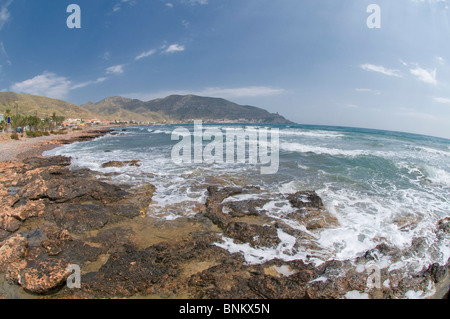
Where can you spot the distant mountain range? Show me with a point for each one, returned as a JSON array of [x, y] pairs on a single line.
[[174, 108]]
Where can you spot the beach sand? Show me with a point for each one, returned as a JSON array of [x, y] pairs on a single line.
[[32, 147]]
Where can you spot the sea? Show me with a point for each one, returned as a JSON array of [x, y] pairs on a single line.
[[382, 186]]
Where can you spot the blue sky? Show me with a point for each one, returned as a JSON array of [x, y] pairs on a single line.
[[313, 61]]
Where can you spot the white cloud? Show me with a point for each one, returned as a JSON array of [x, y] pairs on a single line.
[[47, 84], [442, 100], [116, 69], [84, 84], [50, 85], [376, 92], [440, 60], [174, 48], [427, 76], [195, 2], [381, 69], [170, 5], [145, 54], [251, 91], [5, 15], [118, 6]]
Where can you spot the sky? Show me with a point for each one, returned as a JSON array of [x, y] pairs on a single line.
[[313, 61]]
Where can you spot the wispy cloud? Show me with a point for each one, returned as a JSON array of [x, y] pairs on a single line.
[[87, 83], [376, 92], [196, 2], [442, 100], [381, 69], [174, 48], [118, 6], [145, 54], [115, 69], [427, 76], [4, 53], [5, 15]]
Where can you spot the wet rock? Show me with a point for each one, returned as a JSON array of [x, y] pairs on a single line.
[[245, 208], [121, 164], [113, 164], [218, 194], [12, 250], [314, 218], [79, 218], [305, 199], [255, 235], [444, 225]]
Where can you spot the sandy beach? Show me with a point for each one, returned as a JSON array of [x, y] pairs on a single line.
[[32, 147]]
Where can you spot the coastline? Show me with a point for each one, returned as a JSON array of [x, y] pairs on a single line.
[[32, 147], [53, 217]]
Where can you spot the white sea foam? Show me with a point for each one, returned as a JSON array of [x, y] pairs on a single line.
[[285, 250], [304, 148], [314, 134], [437, 175]]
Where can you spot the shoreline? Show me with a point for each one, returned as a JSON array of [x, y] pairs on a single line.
[[52, 217], [32, 147]]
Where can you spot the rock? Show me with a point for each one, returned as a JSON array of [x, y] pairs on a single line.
[[444, 225], [113, 164], [29, 209], [121, 164], [257, 236], [305, 199], [79, 218], [8, 222], [314, 218], [39, 276], [245, 208], [12, 250]]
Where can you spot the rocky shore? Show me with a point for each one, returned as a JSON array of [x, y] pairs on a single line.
[[52, 217]]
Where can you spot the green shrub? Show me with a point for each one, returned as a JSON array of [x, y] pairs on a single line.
[[15, 136]]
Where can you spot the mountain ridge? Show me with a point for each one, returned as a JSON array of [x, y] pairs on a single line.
[[173, 108], [187, 108]]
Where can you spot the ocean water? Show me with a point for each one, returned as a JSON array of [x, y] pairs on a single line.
[[383, 187]]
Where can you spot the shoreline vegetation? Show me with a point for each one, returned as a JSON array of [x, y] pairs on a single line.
[[52, 217]]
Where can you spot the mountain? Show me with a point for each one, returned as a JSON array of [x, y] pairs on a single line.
[[41, 106], [183, 108], [174, 108]]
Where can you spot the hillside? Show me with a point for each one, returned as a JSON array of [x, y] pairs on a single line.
[[41, 106], [183, 109], [174, 108]]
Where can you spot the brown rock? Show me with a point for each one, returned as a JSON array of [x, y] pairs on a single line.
[[12, 250], [39, 276], [255, 235]]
